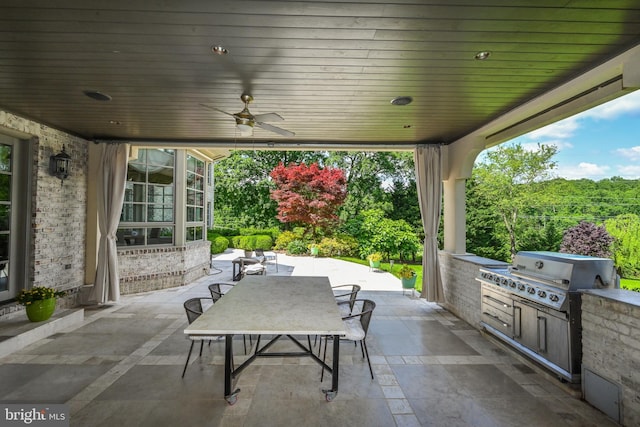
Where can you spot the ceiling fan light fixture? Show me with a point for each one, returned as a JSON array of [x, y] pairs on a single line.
[[481, 56], [244, 126]]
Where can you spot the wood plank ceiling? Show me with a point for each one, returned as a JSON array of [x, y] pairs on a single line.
[[330, 69]]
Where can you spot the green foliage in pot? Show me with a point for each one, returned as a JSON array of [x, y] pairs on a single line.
[[405, 272], [38, 293], [375, 257]]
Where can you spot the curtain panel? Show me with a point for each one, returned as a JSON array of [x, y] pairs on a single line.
[[112, 175], [428, 164]]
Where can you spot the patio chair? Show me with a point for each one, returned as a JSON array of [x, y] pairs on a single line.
[[347, 292], [193, 308], [356, 325], [268, 256], [343, 293]]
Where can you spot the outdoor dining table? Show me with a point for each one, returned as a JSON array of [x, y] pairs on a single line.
[[278, 306]]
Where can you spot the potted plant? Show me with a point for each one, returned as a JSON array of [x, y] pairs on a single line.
[[314, 249], [408, 277], [374, 259], [39, 302]]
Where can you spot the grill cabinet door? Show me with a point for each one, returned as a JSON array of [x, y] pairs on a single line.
[[526, 325], [554, 339]]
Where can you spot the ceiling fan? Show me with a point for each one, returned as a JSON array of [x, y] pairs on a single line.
[[245, 121]]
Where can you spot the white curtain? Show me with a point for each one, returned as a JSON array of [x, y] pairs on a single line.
[[112, 175], [428, 163]]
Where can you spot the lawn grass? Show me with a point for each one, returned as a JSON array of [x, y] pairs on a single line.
[[630, 284], [386, 266]]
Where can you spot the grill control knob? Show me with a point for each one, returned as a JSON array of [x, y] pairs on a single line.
[[542, 294], [531, 290], [521, 287], [511, 283], [554, 297]]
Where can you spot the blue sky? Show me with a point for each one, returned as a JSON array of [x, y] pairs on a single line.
[[596, 144]]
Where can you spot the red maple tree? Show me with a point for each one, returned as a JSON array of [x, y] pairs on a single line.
[[308, 194]]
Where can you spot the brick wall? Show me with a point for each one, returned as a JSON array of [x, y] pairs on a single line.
[[461, 289], [58, 221], [148, 269], [611, 344]]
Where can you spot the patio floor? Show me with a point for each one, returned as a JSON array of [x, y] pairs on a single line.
[[122, 366]]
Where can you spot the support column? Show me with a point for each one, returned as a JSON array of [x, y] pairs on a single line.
[[455, 216]]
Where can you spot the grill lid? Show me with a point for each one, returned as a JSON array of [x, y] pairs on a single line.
[[569, 272]]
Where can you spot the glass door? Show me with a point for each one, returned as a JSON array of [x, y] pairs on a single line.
[[7, 291]]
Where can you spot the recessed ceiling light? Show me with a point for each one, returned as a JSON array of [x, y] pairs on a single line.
[[480, 56], [219, 50], [402, 100], [98, 96]]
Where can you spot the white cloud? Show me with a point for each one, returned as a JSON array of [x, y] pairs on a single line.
[[628, 104], [563, 129], [583, 170], [629, 172], [567, 128], [632, 153]]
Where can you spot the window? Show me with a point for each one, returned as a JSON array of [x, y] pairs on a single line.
[[195, 189], [148, 211]]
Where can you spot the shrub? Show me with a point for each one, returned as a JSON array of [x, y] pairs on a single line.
[[219, 244], [273, 232], [334, 246], [297, 247], [283, 240], [224, 231], [587, 238], [263, 242]]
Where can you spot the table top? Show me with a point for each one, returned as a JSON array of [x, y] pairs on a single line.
[[294, 305]]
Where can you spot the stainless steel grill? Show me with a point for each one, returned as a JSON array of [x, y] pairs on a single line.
[[534, 305]]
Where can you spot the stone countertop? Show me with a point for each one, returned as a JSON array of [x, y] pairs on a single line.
[[294, 305], [481, 261], [620, 295]]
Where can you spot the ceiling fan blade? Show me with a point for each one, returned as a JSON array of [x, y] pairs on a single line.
[[268, 117], [275, 129], [217, 109]]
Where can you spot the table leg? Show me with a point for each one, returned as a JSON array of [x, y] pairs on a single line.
[[230, 396], [331, 394]]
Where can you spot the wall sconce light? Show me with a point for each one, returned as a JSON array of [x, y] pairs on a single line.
[[59, 165]]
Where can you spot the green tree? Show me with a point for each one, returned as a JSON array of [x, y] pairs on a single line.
[[377, 233], [505, 181], [368, 177], [625, 229]]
